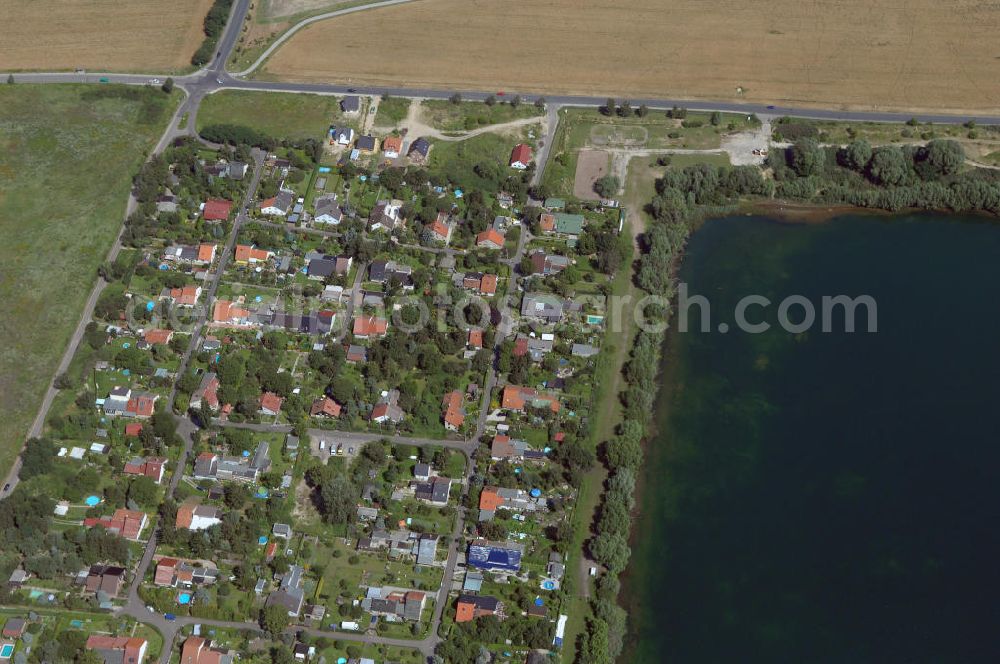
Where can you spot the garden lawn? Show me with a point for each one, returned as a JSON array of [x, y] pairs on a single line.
[[67, 158]]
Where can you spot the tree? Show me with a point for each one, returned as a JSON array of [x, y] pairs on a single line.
[[540, 102], [940, 158], [611, 550], [625, 110], [642, 111], [888, 166], [805, 157], [274, 620], [10, 79], [490, 100], [515, 101], [609, 106], [168, 85], [857, 154], [143, 491], [716, 118], [37, 458], [607, 186], [336, 499], [455, 99]]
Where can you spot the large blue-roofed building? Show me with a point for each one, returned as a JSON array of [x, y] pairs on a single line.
[[495, 556]]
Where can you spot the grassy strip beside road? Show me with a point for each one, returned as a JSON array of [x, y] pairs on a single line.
[[467, 115], [279, 115], [68, 159]]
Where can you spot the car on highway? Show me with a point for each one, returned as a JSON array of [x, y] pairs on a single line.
[[218, 80], [150, 609], [154, 81], [169, 616], [770, 108], [352, 89], [104, 79], [500, 93]]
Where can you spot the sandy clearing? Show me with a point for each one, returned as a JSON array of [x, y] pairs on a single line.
[[139, 35], [591, 165], [918, 54]]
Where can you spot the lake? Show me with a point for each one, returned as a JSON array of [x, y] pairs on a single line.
[[827, 496]]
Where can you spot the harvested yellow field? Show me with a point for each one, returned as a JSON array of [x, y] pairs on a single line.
[[892, 54], [137, 35]]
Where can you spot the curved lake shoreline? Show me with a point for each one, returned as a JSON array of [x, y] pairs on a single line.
[[799, 502]]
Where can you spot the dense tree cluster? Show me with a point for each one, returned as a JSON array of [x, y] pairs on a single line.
[[888, 177]]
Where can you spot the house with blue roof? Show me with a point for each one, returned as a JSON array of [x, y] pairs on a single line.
[[495, 556]]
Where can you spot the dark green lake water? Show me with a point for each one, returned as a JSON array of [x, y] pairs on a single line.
[[828, 497]]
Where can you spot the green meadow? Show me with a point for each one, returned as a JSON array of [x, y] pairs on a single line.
[[67, 157]]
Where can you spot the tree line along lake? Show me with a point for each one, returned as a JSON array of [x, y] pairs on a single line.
[[827, 496]]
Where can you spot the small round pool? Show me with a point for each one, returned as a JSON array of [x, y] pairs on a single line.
[[548, 585], [184, 598], [92, 501]]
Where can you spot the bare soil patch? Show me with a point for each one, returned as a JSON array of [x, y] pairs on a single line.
[[591, 165], [921, 54], [138, 35]]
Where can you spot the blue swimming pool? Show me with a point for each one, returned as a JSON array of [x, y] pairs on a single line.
[[91, 501], [184, 598], [6, 650]]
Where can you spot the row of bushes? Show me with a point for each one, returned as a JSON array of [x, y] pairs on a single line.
[[215, 23]]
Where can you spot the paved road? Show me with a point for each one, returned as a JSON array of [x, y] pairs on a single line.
[[208, 295]]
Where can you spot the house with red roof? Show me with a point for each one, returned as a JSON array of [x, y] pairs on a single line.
[[217, 209], [520, 156], [141, 404], [173, 572], [231, 314], [475, 339], [207, 394], [206, 253], [248, 254], [516, 398], [152, 467], [454, 410], [325, 407], [270, 403], [118, 649], [124, 523], [182, 297], [197, 650], [158, 336], [194, 516], [133, 429], [470, 607], [490, 239], [392, 146], [370, 326]]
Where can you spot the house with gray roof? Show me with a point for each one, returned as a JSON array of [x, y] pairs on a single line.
[[543, 306]]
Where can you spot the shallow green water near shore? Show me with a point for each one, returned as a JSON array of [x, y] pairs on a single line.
[[828, 497]]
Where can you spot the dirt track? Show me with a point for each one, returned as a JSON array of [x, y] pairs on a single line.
[[138, 35], [919, 54]]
